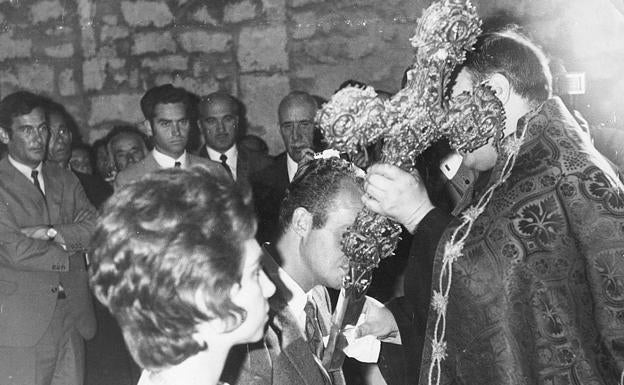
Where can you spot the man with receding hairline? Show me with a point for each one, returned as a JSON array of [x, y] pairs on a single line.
[[221, 123], [296, 113], [126, 146]]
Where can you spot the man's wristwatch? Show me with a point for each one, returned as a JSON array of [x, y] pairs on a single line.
[[51, 233]]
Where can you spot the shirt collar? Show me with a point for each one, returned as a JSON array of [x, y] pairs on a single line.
[[165, 161], [23, 169], [232, 157], [299, 298], [231, 153], [292, 167]]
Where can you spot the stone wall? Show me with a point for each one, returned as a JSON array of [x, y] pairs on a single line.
[[99, 57]]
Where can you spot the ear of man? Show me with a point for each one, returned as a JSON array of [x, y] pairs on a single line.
[[148, 127], [301, 221], [4, 136], [501, 87]]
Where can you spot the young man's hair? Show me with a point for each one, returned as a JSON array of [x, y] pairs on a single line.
[[162, 243], [17, 104], [165, 94], [315, 187], [511, 54]]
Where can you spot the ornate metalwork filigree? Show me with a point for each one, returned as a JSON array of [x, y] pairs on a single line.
[[413, 119]]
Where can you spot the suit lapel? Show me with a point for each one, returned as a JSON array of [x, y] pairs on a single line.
[[151, 164], [31, 199], [203, 152], [294, 346], [283, 173], [242, 164], [53, 193]]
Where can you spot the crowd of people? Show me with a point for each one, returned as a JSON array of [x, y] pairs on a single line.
[[216, 260]]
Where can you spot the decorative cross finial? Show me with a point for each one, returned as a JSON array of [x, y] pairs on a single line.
[[413, 119]]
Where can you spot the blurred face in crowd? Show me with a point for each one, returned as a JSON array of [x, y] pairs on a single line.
[[251, 295], [127, 149], [321, 249], [28, 138], [170, 128], [59, 144], [81, 161], [297, 128], [218, 120], [103, 164]]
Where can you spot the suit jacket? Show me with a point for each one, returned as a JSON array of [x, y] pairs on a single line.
[[283, 356], [30, 269], [247, 162], [96, 188], [149, 164], [269, 187]]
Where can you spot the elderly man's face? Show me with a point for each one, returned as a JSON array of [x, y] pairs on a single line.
[[321, 248], [127, 149], [218, 121], [297, 129], [59, 144], [81, 161], [103, 163]]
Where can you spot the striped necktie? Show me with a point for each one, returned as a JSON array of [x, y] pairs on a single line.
[[313, 329]]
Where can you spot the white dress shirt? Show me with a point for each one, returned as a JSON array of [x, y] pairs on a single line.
[[296, 304], [165, 161], [292, 167], [26, 170], [365, 349], [232, 157]]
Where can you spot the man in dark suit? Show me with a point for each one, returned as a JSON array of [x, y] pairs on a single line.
[[108, 336], [221, 123], [167, 111], [46, 222], [62, 128], [321, 202], [296, 114]]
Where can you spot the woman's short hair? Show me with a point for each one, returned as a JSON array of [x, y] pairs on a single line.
[[159, 243]]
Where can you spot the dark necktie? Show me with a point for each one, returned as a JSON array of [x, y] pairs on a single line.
[[177, 165], [34, 175], [313, 329], [225, 165]]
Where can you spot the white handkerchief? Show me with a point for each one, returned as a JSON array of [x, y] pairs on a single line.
[[363, 349]]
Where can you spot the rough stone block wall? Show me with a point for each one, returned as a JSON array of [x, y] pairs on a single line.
[[99, 57]]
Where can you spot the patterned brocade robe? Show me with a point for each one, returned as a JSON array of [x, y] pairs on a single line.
[[538, 295]]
